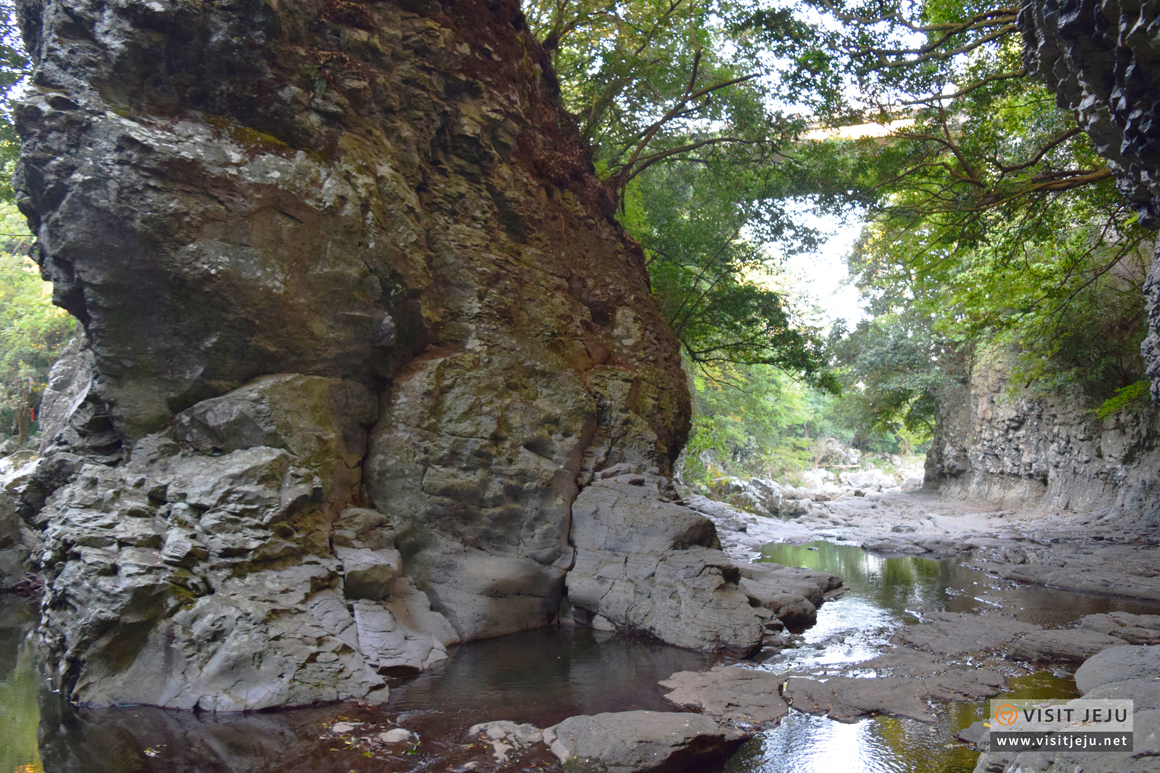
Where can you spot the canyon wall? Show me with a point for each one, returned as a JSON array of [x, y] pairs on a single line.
[[1102, 60], [1021, 448], [359, 329], [1018, 446]]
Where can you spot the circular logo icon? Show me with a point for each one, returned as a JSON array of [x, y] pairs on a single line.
[[1006, 714]]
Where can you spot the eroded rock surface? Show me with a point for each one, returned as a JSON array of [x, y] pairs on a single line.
[[385, 205], [730, 694], [648, 564]]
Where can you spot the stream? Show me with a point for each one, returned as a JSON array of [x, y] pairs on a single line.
[[543, 676]]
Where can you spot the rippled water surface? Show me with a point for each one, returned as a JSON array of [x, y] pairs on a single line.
[[884, 594]]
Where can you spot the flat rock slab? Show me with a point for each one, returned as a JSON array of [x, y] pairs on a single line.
[[1118, 664], [1133, 629], [641, 742], [1121, 570], [953, 633], [1069, 645], [847, 698], [730, 694]]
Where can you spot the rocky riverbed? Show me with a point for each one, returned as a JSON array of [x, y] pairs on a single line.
[[890, 670]]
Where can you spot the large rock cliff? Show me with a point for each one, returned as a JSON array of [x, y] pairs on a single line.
[[360, 327], [1022, 448], [1102, 60]]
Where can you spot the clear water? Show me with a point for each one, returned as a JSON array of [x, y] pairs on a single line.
[[884, 594], [541, 677]]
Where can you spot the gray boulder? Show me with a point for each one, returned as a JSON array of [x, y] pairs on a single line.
[[793, 594], [767, 494], [642, 742], [646, 564], [730, 694]]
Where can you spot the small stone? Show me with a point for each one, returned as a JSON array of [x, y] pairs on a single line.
[[344, 728], [398, 736]]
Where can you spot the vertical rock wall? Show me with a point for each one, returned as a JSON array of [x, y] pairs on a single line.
[[1024, 449], [1102, 60], [360, 326]]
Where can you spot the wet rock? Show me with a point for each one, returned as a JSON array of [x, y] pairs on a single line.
[[1125, 672], [646, 564], [847, 698], [399, 736], [1063, 646], [504, 737], [951, 633], [729, 694], [642, 741], [791, 593]]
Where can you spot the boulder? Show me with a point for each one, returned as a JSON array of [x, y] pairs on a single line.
[[729, 694], [1118, 664], [649, 565], [463, 336], [642, 742], [793, 594], [766, 493]]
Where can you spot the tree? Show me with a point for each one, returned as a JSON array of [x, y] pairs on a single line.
[[992, 215], [683, 133], [32, 330], [13, 69]]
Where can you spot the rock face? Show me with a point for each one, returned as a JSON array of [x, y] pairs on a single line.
[[1100, 58], [650, 565], [1029, 451], [383, 205]]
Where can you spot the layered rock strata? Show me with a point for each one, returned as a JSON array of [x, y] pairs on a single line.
[[1030, 450], [359, 327]]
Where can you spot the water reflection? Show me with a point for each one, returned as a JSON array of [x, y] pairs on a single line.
[[546, 675], [18, 688], [538, 676], [884, 594]]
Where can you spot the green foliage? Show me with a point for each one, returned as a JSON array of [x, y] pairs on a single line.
[[752, 421], [893, 371], [699, 225], [13, 68], [1132, 396], [32, 330], [682, 128]]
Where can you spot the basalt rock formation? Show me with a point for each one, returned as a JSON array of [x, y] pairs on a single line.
[[360, 328], [1102, 60], [1022, 448]]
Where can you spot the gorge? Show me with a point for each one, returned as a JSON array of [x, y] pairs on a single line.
[[369, 369]]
